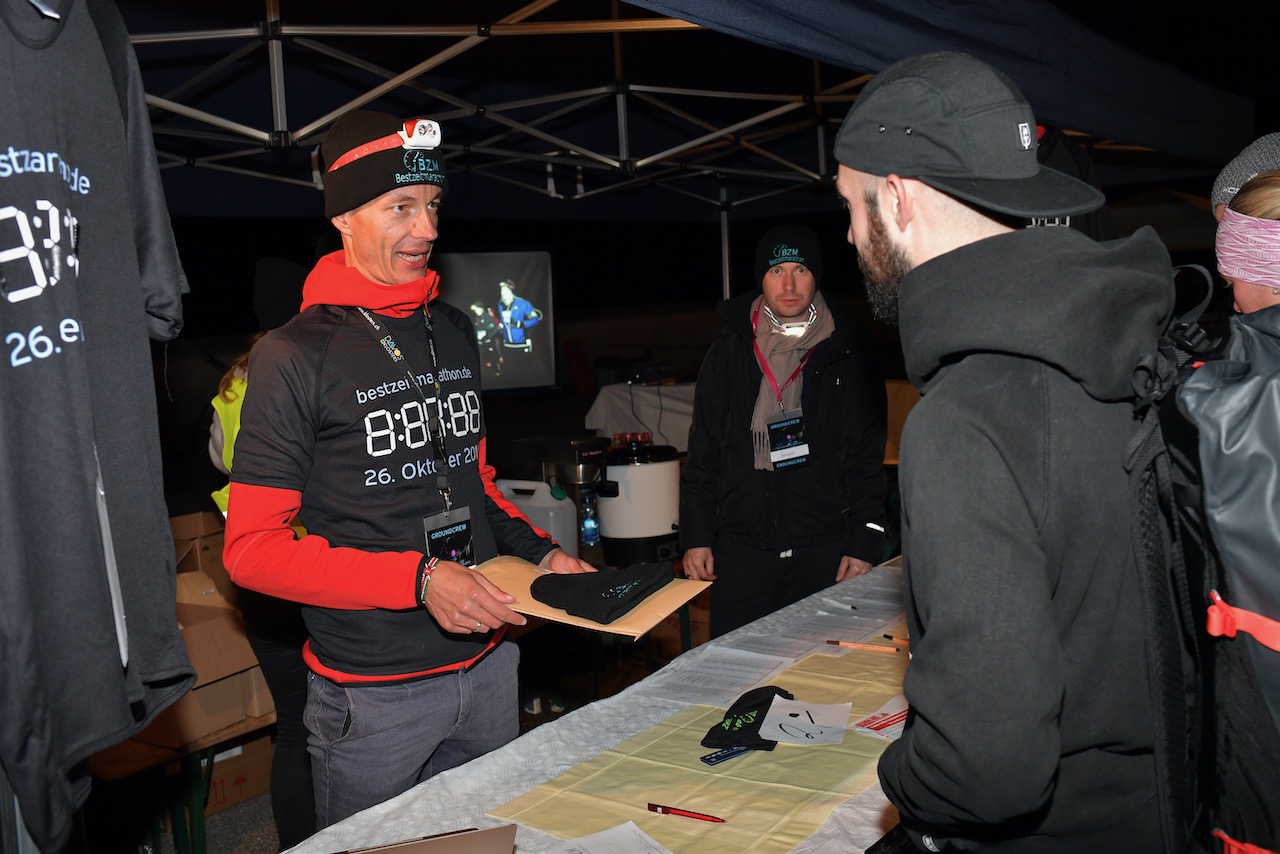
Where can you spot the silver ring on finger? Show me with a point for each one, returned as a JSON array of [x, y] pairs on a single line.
[[479, 626]]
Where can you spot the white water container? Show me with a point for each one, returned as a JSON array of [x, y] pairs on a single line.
[[557, 516]]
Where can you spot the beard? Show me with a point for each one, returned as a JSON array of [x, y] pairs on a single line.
[[883, 266]]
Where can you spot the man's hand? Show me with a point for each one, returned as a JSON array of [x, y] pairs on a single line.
[[851, 567], [463, 601], [699, 564], [561, 562]]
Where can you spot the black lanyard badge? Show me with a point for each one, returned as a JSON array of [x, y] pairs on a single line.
[[448, 533], [787, 447], [449, 536]]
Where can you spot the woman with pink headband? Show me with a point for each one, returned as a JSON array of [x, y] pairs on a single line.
[[1234, 403], [1248, 243]]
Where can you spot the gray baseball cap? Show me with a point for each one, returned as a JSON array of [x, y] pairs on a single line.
[[960, 126]]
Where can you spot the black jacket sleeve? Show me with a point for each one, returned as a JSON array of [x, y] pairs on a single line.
[[862, 458], [699, 478]]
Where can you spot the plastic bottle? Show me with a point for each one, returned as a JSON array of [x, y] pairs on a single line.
[[590, 524]]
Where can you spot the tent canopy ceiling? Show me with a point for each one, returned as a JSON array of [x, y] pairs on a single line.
[[595, 108]]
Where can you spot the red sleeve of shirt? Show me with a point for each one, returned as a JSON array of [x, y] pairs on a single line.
[[487, 476], [262, 553]]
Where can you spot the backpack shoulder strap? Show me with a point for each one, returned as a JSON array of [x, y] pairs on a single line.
[[1163, 578]]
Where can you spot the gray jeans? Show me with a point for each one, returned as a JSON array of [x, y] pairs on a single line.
[[371, 743]]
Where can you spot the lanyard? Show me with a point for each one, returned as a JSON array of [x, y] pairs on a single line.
[[435, 431], [764, 365]]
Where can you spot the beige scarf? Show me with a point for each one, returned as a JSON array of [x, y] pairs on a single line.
[[783, 354]]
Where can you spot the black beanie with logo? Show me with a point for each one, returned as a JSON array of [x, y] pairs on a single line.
[[788, 243], [369, 153]]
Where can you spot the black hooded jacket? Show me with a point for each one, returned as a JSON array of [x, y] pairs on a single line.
[[830, 499], [1030, 709]]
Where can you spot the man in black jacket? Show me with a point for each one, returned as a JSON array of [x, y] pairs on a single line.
[[1031, 712], [783, 491]]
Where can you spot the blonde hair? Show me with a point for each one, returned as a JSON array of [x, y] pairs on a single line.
[[1259, 197], [239, 367]]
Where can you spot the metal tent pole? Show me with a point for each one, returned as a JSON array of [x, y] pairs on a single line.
[[724, 241]]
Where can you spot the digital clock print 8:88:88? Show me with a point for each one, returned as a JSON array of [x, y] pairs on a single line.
[[27, 267], [385, 430]]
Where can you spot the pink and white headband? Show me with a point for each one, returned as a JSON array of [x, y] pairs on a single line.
[[1248, 249]]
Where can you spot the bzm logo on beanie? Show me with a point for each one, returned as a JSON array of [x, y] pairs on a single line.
[[419, 136], [784, 254], [420, 169]]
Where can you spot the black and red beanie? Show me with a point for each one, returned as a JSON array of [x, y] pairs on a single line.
[[369, 153]]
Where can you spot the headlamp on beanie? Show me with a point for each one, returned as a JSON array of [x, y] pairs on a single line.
[[370, 153]]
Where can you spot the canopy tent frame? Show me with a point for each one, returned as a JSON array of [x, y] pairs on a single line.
[[699, 155], [716, 149]]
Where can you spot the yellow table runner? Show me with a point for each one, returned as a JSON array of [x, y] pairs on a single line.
[[770, 800]]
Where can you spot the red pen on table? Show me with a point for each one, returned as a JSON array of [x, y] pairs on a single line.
[[700, 816]]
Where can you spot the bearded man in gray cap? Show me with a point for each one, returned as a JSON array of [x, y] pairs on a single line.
[[362, 422], [1031, 711], [783, 491]]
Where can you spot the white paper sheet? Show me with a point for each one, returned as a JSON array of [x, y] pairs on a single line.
[[623, 839], [793, 648], [797, 722], [720, 677]]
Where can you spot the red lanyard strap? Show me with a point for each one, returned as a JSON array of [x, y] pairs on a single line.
[[764, 365]]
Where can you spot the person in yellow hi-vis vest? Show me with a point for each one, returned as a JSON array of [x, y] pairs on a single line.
[[276, 634]]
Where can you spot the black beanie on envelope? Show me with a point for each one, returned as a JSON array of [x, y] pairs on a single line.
[[602, 596]]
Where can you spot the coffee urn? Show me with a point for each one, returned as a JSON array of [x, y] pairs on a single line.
[[639, 523]]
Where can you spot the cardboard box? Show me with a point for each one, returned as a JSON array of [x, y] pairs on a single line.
[[220, 653], [197, 544], [192, 526], [196, 588], [205, 556], [255, 695], [239, 774]]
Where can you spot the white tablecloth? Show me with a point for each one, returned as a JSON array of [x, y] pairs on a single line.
[[461, 797], [663, 411]]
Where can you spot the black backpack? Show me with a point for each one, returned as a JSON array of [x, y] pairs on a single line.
[[1217, 743]]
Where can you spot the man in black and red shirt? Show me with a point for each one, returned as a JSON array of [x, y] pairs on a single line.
[[363, 423]]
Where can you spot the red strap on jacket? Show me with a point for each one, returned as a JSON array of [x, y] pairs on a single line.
[[1227, 619], [1231, 846]]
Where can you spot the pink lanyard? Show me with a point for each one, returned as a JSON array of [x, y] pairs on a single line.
[[764, 366]]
